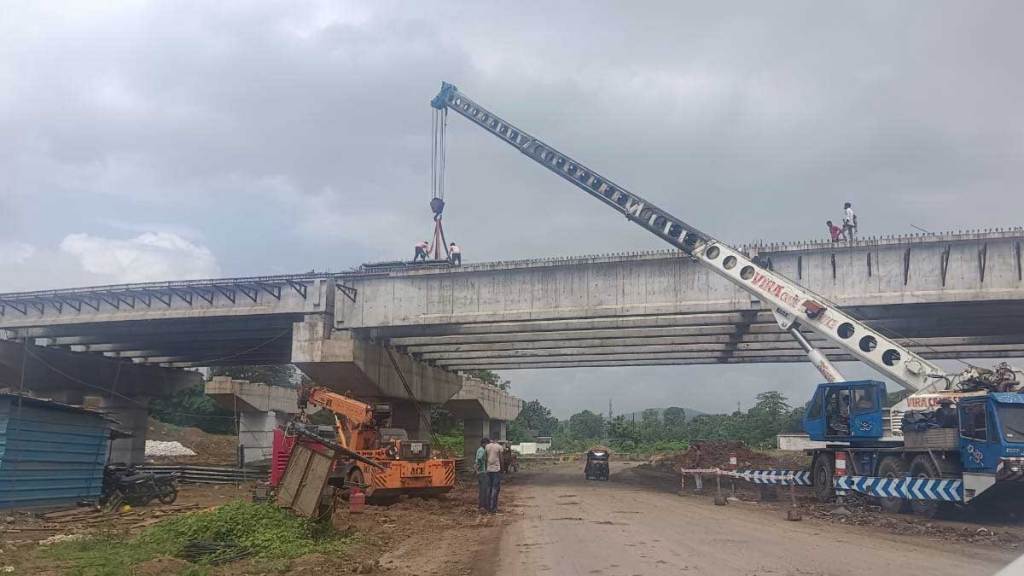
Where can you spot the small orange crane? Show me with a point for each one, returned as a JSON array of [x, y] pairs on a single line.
[[384, 462]]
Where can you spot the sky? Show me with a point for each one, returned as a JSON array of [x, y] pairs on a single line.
[[171, 140]]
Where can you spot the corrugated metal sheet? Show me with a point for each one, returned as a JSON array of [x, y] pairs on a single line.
[[48, 454]]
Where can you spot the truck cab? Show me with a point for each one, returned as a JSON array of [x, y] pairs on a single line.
[[992, 434], [845, 411]]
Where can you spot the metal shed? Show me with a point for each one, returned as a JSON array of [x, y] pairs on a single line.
[[50, 453]]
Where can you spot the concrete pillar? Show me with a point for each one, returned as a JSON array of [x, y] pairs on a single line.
[[499, 430], [405, 415], [472, 432], [256, 434], [132, 417]]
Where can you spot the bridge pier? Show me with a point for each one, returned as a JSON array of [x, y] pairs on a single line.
[[339, 360], [485, 411], [260, 407], [132, 416]]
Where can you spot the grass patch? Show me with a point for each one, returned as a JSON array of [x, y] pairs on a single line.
[[264, 531]]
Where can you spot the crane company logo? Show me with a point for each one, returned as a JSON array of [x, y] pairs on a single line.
[[775, 289], [865, 426], [976, 455]]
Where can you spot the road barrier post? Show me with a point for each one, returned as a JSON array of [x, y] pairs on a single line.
[[719, 499]]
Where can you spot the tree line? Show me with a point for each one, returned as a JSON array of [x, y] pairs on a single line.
[[653, 429]]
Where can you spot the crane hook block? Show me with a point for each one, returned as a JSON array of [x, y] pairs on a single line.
[[437, 205]]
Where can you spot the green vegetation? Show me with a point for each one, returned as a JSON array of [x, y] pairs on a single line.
[[655, 431], [264, 531]]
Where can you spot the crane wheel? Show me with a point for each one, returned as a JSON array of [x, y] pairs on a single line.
[[922, 466], [893, 467], [822, 471]]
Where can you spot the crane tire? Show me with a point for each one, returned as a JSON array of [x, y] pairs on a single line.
[[893, 467], [822, 472], [922, 466]]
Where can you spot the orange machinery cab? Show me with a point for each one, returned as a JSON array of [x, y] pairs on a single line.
[[406, 466]]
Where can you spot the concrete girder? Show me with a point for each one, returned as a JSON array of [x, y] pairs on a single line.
[[589, 363], [616, 353], [753, 340], [459, 363], [535, 326], [46, 369], [161, 327], [345, 363], [508, 337], [115, 344]]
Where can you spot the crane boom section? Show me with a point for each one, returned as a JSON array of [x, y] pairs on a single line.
[[790, 302], [357, 413]]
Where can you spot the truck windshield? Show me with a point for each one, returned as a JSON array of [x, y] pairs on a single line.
[[1012, 419]]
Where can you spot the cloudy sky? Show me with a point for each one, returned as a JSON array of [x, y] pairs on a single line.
[[148, 140]]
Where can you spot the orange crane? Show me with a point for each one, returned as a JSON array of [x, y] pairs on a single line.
[[381, 460]]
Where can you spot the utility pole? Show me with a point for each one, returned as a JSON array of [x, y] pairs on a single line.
[[609, 409]]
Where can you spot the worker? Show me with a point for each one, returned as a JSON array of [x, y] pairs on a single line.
[[849, 221], [455, 254], [483, 501], [945, 415], [493, 450], [421, 251], [835, 231]]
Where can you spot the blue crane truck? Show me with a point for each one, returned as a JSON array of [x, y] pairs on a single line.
[[925, 470], [920, 469]]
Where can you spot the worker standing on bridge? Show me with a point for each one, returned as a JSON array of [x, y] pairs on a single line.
[[422, 248], [849, 221], [835, 231], [455, 254]]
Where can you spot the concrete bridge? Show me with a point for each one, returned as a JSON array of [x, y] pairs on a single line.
[[954, 295]]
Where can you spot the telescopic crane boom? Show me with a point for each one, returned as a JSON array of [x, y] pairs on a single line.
[[793, 306]]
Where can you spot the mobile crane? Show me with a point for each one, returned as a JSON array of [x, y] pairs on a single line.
[[383, 461], [989, 445]]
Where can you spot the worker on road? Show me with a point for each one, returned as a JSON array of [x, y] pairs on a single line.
[[493, 450], [455, 254], [421, 251], [835, 231], [480, 466], [849, 221], [945, 415]]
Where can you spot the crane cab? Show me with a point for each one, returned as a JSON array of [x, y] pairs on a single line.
[[845, 411], [992, 434]]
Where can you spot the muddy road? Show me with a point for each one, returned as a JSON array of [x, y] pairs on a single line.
[[562, 524]]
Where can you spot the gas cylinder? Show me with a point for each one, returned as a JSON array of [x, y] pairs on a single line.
[[356, 501]]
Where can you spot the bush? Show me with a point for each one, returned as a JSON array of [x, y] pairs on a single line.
[[262, 530]]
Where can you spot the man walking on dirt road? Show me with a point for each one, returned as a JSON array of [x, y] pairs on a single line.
[[483, 502], [493, 450]]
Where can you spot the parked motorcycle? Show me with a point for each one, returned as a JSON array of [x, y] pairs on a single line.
[[127, 484]]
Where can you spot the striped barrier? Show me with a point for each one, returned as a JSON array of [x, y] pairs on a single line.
[[780, 477], [907, 488]]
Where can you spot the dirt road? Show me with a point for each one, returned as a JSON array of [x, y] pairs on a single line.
[[563, 524]]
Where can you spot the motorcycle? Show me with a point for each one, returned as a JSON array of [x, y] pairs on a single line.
[[127, 484]]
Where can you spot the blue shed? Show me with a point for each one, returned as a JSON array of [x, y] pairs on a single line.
[[50, 453]]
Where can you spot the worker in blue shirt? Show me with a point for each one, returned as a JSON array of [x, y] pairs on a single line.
[[482, 479]]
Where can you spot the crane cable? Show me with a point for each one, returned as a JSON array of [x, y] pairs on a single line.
[[438, 152]]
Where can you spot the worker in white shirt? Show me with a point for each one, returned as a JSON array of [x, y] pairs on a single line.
[[849, 221], [455, 254]]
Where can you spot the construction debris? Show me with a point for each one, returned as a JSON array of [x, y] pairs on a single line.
[[161, 448]]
